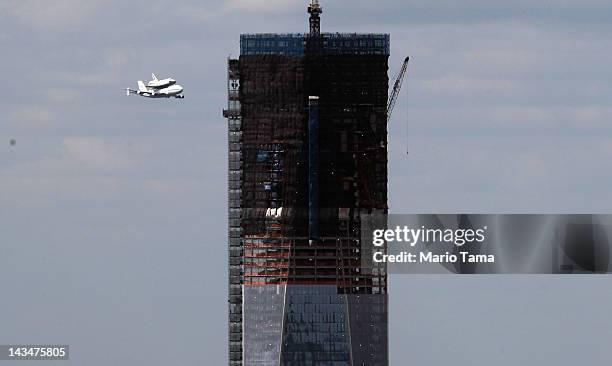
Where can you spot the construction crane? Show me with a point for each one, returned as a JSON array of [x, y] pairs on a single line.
[[397, 87], [315, 11]]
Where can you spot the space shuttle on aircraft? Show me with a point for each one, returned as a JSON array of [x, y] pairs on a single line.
[[156, 88]]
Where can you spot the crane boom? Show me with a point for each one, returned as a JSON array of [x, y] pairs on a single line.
[[397, 87]]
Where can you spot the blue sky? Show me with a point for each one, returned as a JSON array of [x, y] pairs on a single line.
[[113, 209]]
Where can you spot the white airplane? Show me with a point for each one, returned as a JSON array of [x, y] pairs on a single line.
[[166, 88]]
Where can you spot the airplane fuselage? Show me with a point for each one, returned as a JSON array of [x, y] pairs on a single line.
[[173, 91]]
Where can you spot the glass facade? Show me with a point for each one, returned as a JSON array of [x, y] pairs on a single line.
[[316, 329], [263, 324], [305, 325]]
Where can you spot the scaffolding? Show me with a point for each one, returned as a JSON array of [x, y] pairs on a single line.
[[235, 248], [294, 44]]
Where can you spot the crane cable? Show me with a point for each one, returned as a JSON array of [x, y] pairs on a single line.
[[407, 118]]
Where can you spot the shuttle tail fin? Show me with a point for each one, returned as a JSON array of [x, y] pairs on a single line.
[[154, 77], [141, 86]]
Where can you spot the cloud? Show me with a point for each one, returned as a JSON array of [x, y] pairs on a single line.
[[61, 96], [471, 11], [465, 85], [85, 169], [171, 186], [31, 116], [500, 174], [57, 14], [97, 153], [215, 13], [83, 66], [73, 156], [263, 5]]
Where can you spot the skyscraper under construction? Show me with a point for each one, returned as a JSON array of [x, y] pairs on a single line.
[[307, 117]]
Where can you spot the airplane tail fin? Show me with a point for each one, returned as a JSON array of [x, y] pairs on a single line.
[[141, 86], [154, 77]]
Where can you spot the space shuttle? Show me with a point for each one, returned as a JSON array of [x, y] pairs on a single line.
[[156, 88], [160, 84]]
